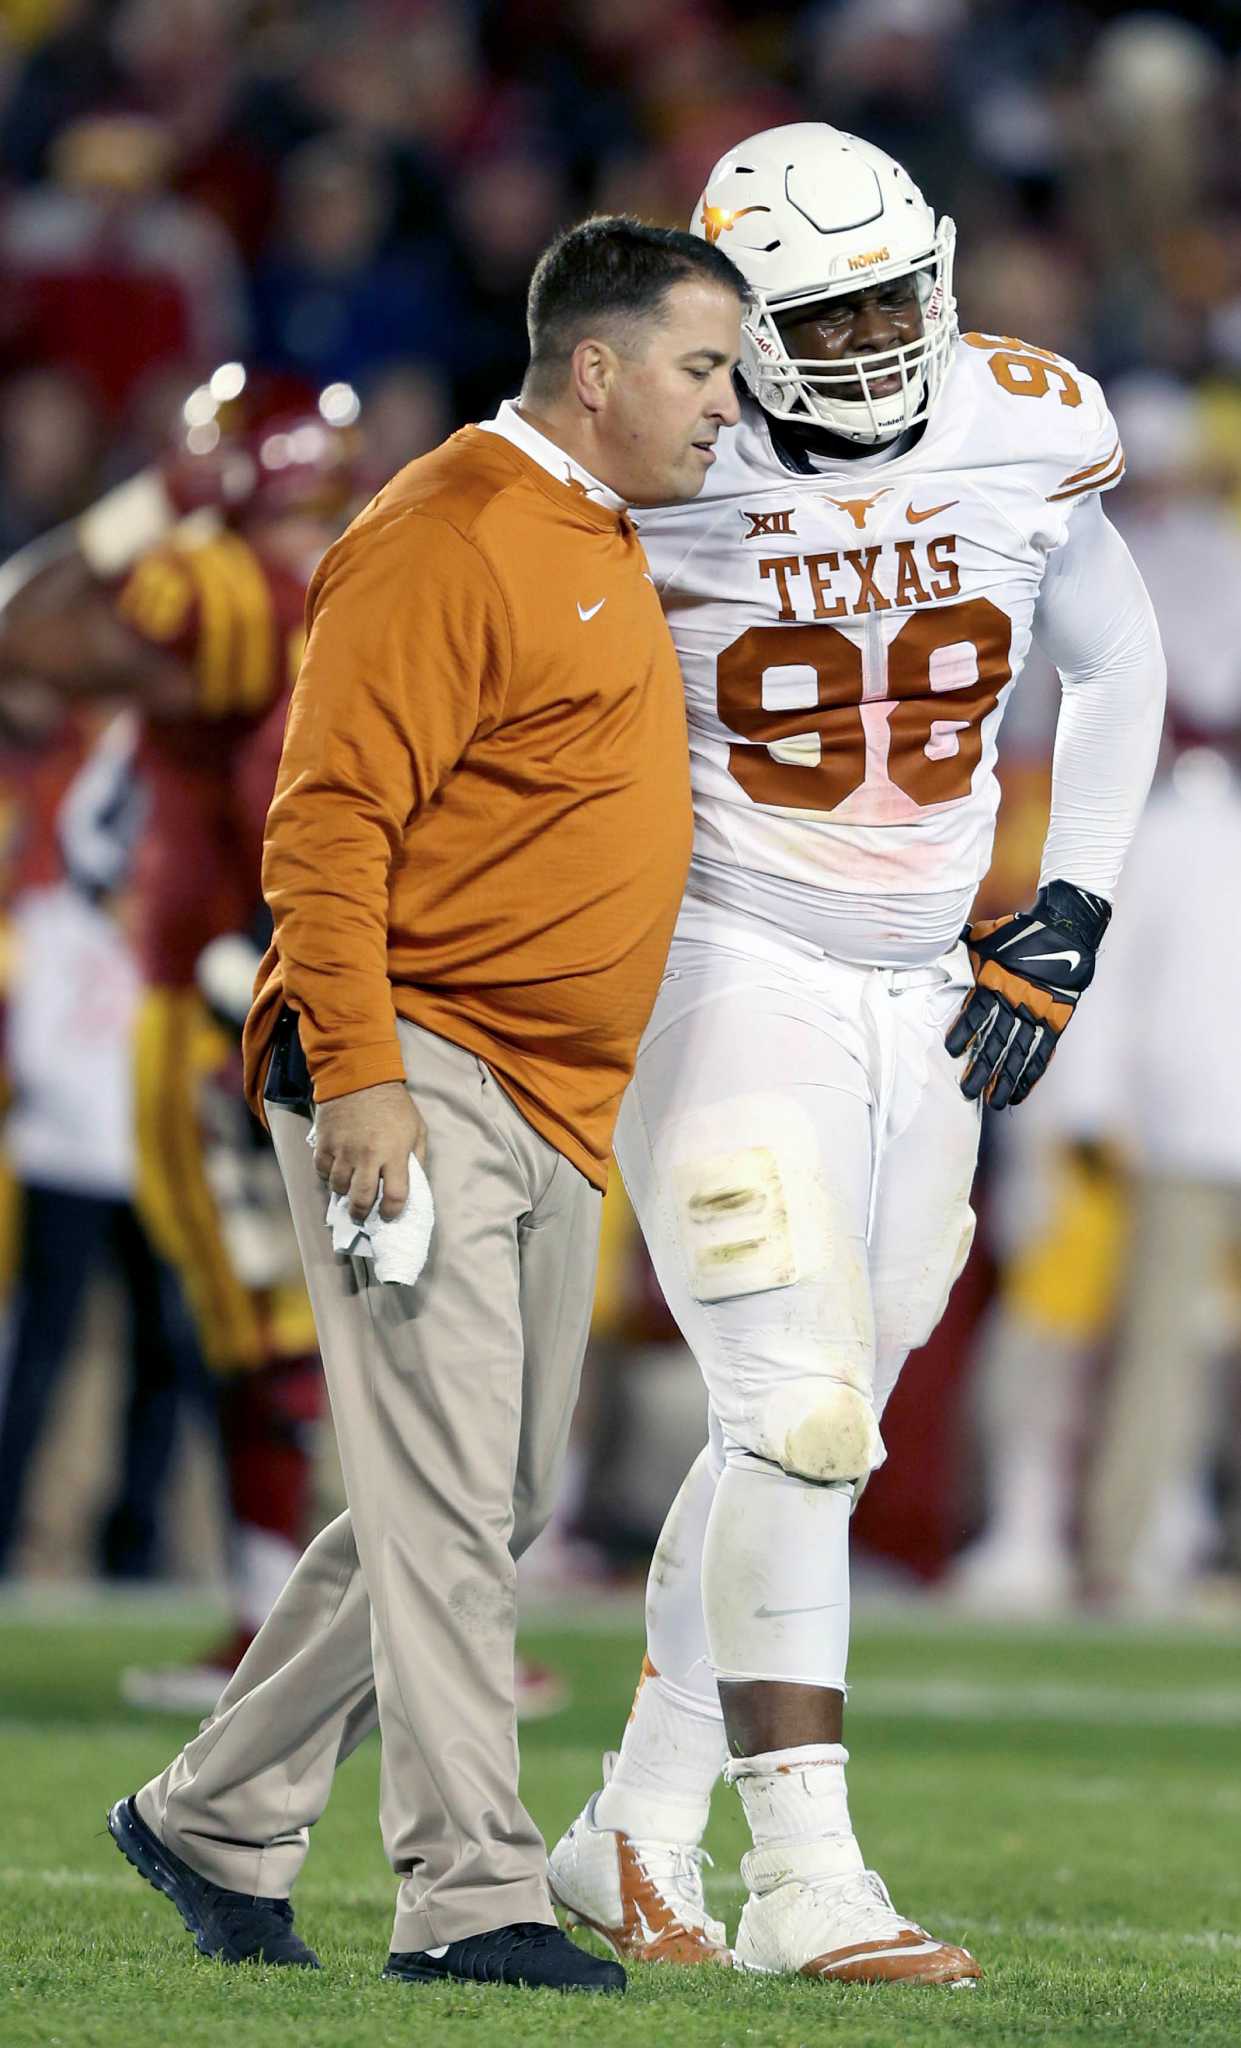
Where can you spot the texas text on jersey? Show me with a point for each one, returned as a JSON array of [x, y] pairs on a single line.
[[850, 635]]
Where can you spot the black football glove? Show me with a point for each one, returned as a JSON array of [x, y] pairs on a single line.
[[1029, 970]]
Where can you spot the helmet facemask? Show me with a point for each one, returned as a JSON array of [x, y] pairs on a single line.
[[807, 389]]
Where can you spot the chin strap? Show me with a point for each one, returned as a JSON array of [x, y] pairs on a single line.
[[797, 442]]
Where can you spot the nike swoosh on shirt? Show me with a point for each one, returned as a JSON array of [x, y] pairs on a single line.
[[916, 518], [583, 614]]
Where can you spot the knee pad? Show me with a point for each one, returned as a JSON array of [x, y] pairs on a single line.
[[821, 1430], [750, 1216]]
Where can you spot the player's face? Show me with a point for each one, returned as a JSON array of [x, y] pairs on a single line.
[[871, 323], [668, 398]]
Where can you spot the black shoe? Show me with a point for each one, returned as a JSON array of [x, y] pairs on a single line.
[[227, 1925], [530, 1953]]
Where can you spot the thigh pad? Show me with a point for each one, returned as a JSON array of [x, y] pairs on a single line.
[[748, 1195]]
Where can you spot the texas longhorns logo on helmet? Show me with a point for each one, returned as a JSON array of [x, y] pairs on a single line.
[[717, 220]]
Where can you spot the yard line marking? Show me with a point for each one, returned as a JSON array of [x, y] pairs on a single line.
[[1118, 1934], [63, 1879], [964, 1699], [19, 1726], [1117, 1792]]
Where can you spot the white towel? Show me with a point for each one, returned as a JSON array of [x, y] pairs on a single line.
[[398, 1248]]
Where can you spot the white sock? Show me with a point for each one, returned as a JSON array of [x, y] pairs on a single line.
[[671, 1755], [798, 1809], [674, 1748]]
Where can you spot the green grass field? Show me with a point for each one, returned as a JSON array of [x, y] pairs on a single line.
[[1067, 1803]]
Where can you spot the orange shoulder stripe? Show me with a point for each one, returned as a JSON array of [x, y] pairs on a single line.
[[1080, 476], [1096, 483]]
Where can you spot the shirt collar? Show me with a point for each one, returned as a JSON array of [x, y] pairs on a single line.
[[510, 425]]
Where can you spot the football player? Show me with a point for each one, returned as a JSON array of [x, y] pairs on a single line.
[[853, 595], [182, 593]]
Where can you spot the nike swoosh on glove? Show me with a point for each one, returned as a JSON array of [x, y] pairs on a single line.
[[1029, 970]]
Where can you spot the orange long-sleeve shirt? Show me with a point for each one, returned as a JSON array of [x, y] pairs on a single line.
[[482, 819]]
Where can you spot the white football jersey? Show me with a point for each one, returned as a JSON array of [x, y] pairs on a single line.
[[849, 638]]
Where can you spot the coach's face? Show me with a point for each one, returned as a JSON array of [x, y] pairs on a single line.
[[668, 392]]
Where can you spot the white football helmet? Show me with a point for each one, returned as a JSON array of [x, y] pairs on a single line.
[[809, 213]]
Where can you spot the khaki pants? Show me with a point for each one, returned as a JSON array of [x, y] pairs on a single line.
[[452, 1401]]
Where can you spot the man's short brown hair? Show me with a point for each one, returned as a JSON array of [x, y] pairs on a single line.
[[608, 274]]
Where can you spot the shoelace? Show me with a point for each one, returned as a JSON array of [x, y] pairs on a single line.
[[677, 1868], [862, 1908]]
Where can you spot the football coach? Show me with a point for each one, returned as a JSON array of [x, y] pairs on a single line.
[[474, 858]]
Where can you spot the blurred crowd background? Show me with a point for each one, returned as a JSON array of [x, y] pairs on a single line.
[[354, 193]]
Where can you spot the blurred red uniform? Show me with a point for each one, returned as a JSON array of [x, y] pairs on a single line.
[[235, 620]]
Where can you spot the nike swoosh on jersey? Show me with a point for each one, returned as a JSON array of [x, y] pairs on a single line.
[[583, 614], [916, 518]]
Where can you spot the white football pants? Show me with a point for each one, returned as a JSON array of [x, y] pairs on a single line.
[[799, 1155]]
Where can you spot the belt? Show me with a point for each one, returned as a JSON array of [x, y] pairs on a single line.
[[288, 1084]]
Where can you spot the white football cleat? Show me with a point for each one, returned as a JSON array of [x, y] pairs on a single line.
[[844, 1928], [643, 1898]]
